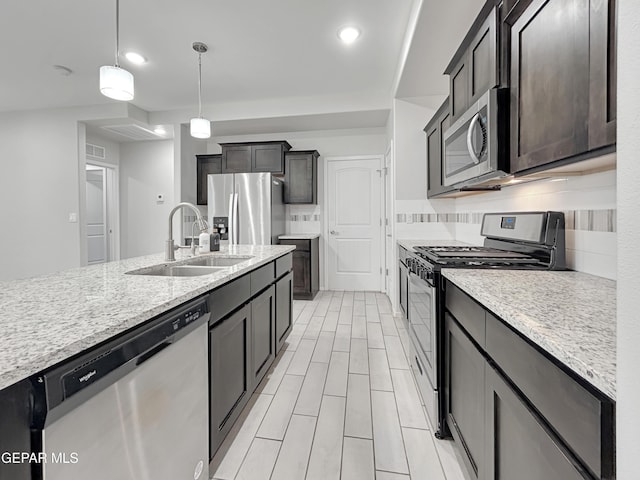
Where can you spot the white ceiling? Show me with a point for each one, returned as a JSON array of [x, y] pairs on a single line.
[[258, 50], [440, 29]]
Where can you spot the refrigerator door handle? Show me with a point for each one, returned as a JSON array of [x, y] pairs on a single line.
[[232, 227], [236, 230]]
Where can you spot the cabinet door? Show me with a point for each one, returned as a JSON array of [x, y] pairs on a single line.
[[517, 443], [602, 105], [267, 158], [403, 291], [230, 381], [464, 391], [483, 66], [459, 90], [263, 314], [434, 159], [236, 159], [301, 273], [206, 165], [301, 184], [284, 309], [549, 82]]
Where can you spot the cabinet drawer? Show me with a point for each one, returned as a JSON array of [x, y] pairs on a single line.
[[577, 415], [284, 265], [301, 245], [227, 298], [467, 312], [262, 277]]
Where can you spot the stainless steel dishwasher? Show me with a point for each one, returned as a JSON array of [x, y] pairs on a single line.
[[135, 408]]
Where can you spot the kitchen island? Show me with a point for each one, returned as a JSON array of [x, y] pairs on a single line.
[[77, 313]]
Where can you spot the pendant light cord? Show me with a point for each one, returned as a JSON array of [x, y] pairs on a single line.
[[117, 30], [199, 85]]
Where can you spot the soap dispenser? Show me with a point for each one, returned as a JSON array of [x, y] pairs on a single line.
[[203, 242], [214, 241]]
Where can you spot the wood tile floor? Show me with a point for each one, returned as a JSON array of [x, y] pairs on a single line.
[[339, 403]]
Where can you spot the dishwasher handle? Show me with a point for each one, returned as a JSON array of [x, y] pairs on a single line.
[[65, 387]]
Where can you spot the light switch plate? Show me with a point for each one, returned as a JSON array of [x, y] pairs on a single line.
[[73, 217]]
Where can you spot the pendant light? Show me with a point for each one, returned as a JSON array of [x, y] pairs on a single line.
[[200, 127], [116, 82]]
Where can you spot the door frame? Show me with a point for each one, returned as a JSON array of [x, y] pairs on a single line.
[[325, 214], [389, 194], [111, 205]]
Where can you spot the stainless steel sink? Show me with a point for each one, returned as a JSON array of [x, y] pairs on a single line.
[[177, 270], [216, 261]]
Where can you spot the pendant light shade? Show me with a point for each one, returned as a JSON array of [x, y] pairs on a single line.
[[116, 82], [200, 127]]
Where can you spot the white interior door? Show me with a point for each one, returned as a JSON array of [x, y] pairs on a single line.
[[96, 215], [354, 256]]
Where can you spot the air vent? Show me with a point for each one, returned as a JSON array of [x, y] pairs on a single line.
[[132, 132], [95, 151]]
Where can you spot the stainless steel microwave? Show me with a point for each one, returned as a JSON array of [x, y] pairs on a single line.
[[476, 145]]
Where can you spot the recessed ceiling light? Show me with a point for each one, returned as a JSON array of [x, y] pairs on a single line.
[[136, 58], [159, 131], [348, 34]]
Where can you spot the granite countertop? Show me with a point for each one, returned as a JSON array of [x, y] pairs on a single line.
[[299, 236], [571, 315], [50, 318], [410, 244]]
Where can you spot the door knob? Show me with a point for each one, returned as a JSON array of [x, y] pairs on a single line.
[[333, 232]]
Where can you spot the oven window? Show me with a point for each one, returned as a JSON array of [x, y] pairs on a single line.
[[421, 319]]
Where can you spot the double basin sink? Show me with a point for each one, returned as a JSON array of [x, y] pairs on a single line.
[[193, 267]]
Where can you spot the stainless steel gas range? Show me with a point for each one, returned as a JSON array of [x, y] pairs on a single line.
[[526, 240]]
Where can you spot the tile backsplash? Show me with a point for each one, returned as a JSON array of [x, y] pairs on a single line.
[[588, 202]]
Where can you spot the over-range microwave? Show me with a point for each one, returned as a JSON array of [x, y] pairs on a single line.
[[476, 146]]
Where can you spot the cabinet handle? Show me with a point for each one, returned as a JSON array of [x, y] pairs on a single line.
[[333, 232], [418, 364]]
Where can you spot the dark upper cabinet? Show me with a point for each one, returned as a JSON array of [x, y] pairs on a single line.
[[602, 62], [519, 445], [236, 158], [563, 80], [301, 177], [206, 165], [549, 82], [474, 67], [254, 157], [434, 132]]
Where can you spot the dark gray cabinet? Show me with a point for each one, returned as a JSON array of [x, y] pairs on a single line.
[[513, 410], [263, 316], [254, 157], [465, 397], [519, 445], [301, 177], [434, 132], [603, 73], [474, 67], [563, 80], [306, 267], [15, 428], [206, 165], [230, 373], [284, 309]]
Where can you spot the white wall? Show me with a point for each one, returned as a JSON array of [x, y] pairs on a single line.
[[146, 170], [628, 360], [39, 187]]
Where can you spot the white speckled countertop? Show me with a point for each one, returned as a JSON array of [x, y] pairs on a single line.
[[49, 318], [571, 315], [410, 244], [299, 236]]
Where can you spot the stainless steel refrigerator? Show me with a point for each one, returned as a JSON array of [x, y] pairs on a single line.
[[246, 208]]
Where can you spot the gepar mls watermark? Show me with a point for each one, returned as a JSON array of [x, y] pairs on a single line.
[[69, 458]]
